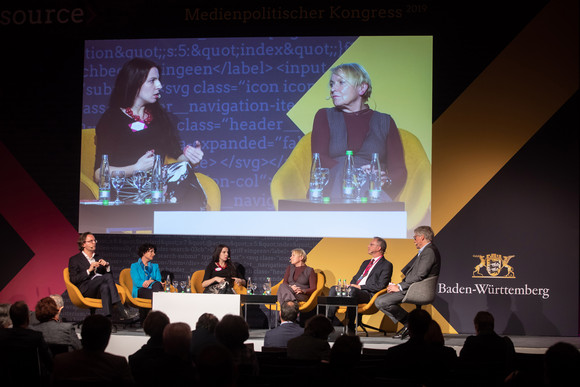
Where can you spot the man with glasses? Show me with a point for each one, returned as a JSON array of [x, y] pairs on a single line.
[[426, 263], [93, 276], [373, 275]]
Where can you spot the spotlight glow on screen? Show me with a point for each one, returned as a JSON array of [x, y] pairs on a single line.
[[248, 102]]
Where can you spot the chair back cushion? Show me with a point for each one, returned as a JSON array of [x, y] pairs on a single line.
[[422, 292]]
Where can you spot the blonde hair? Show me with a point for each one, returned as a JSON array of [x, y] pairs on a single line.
[[355, 74], [300, 252]]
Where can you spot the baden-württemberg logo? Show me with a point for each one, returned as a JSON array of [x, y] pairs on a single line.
[[494, 265]]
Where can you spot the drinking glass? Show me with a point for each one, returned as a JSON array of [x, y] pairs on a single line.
[[183, 285], [118, 180], [176, 285], [139, 178], [361, 176]]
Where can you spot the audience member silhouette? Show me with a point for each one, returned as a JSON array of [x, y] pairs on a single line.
[[562, 365], [5, 321], [346, 354], [418, 360], [92, 363], [487, 354], [61, 337], [434, 336], [145, 362], [177, 366], [288, 328], [204, 334], [312, 345], [24, 355], [232, 331], [216, 367]]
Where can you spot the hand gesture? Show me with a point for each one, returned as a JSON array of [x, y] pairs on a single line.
[[193, 153], [145, 162]]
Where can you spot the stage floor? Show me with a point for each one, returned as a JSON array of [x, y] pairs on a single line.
[[127, 341]]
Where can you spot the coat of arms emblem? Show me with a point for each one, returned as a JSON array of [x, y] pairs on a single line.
[[494, 264]]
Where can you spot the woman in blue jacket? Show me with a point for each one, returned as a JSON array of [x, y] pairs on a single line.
[[145, 274]]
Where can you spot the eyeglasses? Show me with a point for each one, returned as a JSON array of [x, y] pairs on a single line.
[[416, 236], [91, 241]]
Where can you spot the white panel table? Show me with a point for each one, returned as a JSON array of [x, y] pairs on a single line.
[[187, 307]]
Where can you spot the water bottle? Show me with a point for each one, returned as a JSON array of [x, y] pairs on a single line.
[[349, 178], [105, 180], [315, 191], [339, 288], [168, 284], [375, 183], [188, 286], [157, 181], [249, 286], [269, 285]]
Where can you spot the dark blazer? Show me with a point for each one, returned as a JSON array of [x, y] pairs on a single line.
[[428, 264], [94, 366], [77, 269], [24, 356], [378, 279], [279, 336], [55, 332], [306, 347]]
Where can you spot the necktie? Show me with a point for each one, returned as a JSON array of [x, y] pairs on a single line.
[[367, 269]]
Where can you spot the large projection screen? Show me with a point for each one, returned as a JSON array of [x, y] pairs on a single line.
[[249, 101]]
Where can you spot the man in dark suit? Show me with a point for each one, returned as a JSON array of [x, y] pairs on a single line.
[[92, 363], [426, 263], [24, 354], [94, 278], [288, 328], [373, 275]]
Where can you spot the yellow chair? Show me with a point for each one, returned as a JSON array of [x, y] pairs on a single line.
[[83, 302], [197, 279], [308, 305], [127, 283], [368, 308], [89, 190], [292, 178]]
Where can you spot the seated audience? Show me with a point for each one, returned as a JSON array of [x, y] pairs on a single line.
[[487, 349], [204, 334], [312, 345], [232, 332], [418, 360], [24, 355], [177, 366], [288, 328], [92, 363], [561, 365], [147, 359], [216, 367], [434, 336], [5, 321], [55, 333]]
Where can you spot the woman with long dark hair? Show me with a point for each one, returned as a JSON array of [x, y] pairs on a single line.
[[221, 274], [136, 128]]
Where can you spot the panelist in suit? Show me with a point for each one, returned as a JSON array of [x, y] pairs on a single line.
[[426, 263], [373, 275], [93, 276], [288, 328]]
